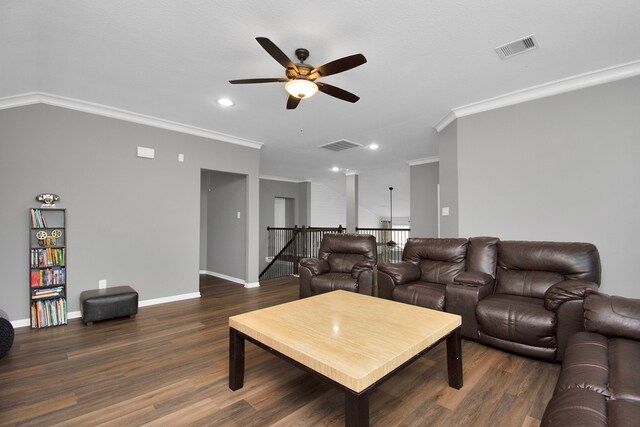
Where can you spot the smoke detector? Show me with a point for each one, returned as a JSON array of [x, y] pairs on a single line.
[[340, 145], [515, 47]]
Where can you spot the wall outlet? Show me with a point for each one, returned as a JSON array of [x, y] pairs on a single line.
[[102, 284]]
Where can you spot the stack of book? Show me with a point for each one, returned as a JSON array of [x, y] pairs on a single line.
[[37, 219], [48, 293], [48, 277], [42, 258], [49, 312]]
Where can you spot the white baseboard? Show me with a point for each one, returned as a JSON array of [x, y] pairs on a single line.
[[76, 314], [164, 300], [231, 279]]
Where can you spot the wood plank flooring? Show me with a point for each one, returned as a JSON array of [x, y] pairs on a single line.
[[168, 367]]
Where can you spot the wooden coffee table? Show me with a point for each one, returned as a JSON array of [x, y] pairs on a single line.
[[354, 341]]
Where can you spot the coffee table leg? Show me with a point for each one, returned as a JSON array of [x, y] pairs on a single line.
[[236, 360], [356, 409], [454, 359]]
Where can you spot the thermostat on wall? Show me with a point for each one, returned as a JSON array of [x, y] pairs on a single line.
[[147, 153]]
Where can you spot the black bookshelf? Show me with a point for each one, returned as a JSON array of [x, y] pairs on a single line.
[[48, 267]]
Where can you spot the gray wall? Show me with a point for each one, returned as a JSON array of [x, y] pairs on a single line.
[[269, 190], [204, 209], [424, 200], [563, 168], [448, 170], [226, 236], [131, 221], [352, 203]]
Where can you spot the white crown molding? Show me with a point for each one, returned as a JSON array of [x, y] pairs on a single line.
[[556, 87], [423, 161], [281, 178], [120, 114], [445, 121]]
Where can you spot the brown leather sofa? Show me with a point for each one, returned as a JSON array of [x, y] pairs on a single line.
[[520, 296], [429, 265], [345, 261], [599, 383], [537, 300]]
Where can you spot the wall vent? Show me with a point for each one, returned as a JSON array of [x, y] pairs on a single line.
[[519, 46], [340, 145]]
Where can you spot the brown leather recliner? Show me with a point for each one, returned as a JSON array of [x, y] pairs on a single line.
[[345, 261], [428, 265], [599, 383], [538, 296]]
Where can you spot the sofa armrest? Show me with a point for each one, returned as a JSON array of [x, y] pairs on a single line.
[[612, 316], [567, 290], [400, 272], [315, 265], [473, 278], [361, 267]]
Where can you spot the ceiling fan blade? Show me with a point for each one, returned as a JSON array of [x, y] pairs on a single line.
[[337, 92], [276, 53], [339, 65], [293, 102], [245, 81]]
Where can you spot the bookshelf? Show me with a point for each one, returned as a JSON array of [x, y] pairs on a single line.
[[48, 267]]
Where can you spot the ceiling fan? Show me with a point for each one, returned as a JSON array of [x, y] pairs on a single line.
[[301, 78]]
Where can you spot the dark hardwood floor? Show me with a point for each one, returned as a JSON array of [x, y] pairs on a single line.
[[168, 367]]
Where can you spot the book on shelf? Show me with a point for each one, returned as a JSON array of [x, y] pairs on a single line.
[[48, 312], [37, 219], [49, 257]]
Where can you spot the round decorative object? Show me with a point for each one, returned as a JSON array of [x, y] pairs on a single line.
[[56, 234], [41, 235], [6, 334]]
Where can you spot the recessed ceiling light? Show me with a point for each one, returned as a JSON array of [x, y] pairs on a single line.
[[373, 146], [335, 169], [225, 102]]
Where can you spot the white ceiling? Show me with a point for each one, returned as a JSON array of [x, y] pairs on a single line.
[[172, 59]]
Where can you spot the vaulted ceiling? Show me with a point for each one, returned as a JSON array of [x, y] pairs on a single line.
[[172, 60]]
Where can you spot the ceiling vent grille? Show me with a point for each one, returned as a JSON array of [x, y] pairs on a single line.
[[341, 145], [519, 46]]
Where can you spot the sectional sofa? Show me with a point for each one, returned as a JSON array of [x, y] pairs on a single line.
[[521, 296]]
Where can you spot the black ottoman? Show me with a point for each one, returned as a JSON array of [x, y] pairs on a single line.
[[6, 334], [108, 303]]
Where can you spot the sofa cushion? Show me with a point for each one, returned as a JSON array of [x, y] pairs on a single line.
[[343, 251], [585, 364], [333, 281], [517, 318], [576, 407], [533, 267], [424, 294], [439, 260], [624, 377]]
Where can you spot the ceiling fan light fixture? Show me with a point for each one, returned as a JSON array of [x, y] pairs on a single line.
[[301, 88]]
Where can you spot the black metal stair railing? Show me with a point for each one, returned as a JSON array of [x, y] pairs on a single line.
[[288, 245], [390, 242]]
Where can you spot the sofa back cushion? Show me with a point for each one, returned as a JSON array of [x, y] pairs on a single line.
[[439, 260], [482, 255], [530, 268], [343, 251]]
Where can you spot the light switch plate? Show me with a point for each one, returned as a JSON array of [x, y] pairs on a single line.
[[445, 211]]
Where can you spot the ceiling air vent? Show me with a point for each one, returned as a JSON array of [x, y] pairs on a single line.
[[341, 145], [519, 46]]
